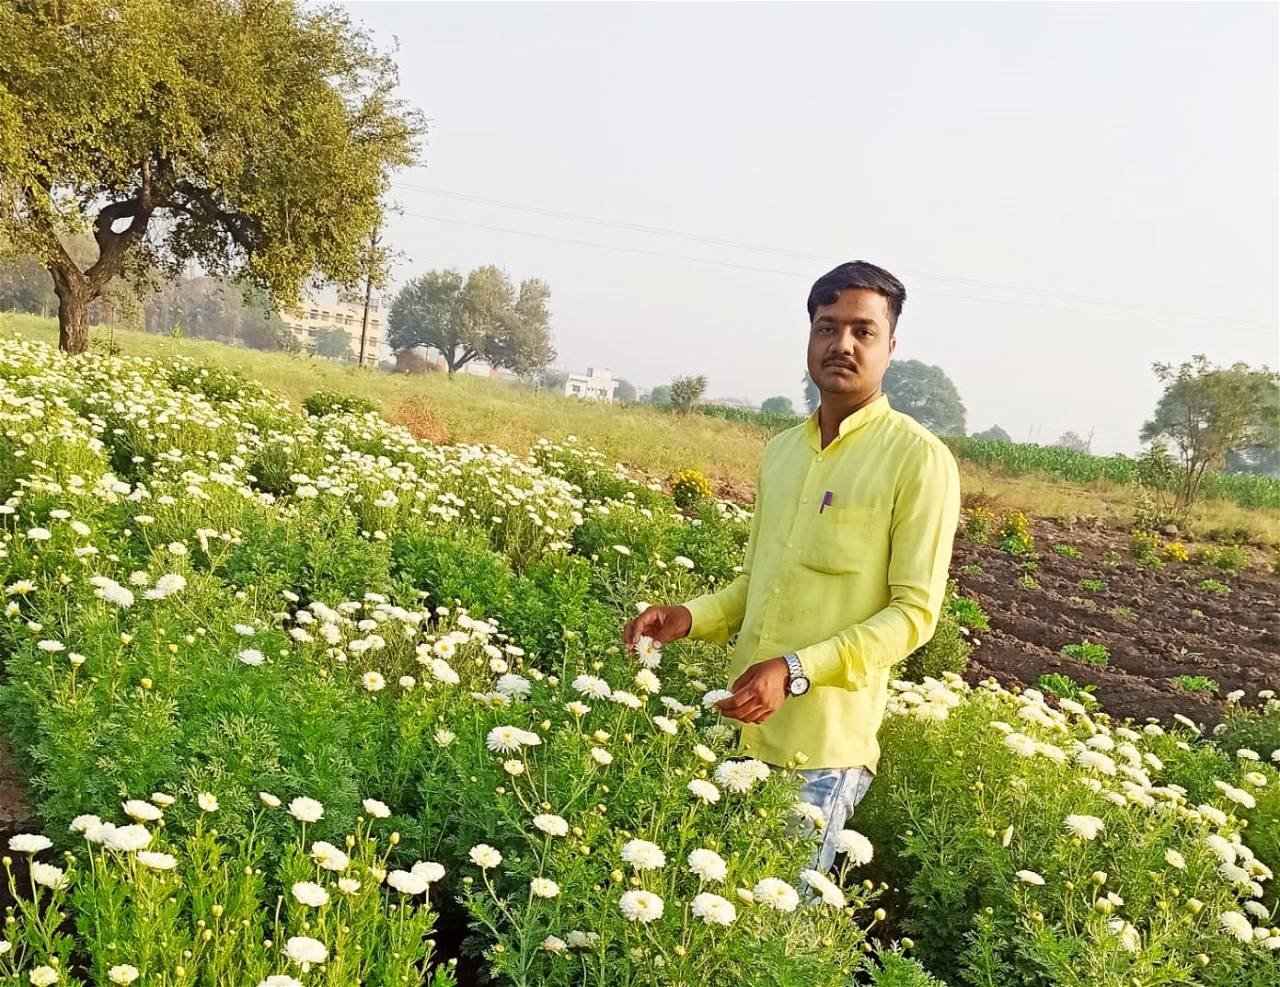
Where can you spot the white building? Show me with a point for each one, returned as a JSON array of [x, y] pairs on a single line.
[[348, 315], [594, 385]]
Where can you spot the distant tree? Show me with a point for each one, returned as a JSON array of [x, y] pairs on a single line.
[[25, 286], [256, 138], [686, 392], [927, 394], [551, 380], [625, 392], [1260, 460], [778, 406], [660, 396], [1209, 412], [333, 343], [481, 317], [812, 396], [1069, 440], [994, 432]]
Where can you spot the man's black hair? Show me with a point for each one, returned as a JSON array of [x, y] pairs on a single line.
[[858, 274]]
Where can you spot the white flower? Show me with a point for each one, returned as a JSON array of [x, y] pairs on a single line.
[[552, 825], [123, 974], [162, 800], [406, 681], [244, 630], [1174, 859], [646, 681], [514, 686], [141, 811], [855, 845], [507, 739], [541, 887], [627, 699], [407, 882], [592, 687], [252, 656], [714, 696], [1238, 795], [1096, 761], [713, 910], [704, 753], [310, 893], [1237, 925], [831, 895], [513, 767], [128, 838], [305, 809], [207, 801], [156, 860], [583, 940], [280, 980], [776, 894], [484, 856], [666, 725], [601, 756], [577, 708], [428, 870], [1029, 877], [304, 951], [348, 885], [372, 682], [442, 671], [740, 776], [1085, 827], [29, 843], [1256, 778], [50, 646], [445, 737], [269, 800], [42, 976], [39, 534], [708, 865], [376, 809], [683, 562], [643, 855], [704, 790], [1130, 938], [640, 906], [622, 549], [648, 652], [329, 856], [48, 875]]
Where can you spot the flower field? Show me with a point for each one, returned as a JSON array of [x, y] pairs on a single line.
[[304, 700]]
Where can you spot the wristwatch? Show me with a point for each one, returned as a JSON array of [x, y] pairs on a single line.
[[797, 681]]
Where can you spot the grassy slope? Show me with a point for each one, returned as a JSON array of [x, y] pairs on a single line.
[[469, 409]]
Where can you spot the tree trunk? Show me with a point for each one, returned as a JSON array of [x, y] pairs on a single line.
[[74, 296]]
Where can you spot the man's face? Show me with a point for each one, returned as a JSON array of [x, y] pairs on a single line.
[[850, 344]]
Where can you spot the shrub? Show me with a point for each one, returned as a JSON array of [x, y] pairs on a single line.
[[1015, 534], [336, 403], [1095, 654], [686, 392], [978, 524], [1196, 683], [949, 648], [1177, 551], [689, 486], [1145, 545], [1065, 687], [1213, 586], [1093, 585], [1068, 551], [966, 611]]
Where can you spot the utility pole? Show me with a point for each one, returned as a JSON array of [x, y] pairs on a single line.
[[374, 239], [1088, 446]]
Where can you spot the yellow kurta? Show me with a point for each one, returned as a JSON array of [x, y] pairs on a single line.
[[852, 588]]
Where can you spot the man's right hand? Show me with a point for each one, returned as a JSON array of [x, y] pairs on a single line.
[[663, 624]]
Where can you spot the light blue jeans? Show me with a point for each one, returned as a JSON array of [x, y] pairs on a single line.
[[836, 792]]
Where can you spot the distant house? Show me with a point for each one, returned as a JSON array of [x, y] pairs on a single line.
[[594, 385], [347, 314]]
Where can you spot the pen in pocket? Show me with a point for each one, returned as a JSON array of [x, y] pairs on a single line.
[[826, 501]]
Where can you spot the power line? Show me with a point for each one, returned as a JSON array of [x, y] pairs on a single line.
[[1183, 320], [1199, 319]]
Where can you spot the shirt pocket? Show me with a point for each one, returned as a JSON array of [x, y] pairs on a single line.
[[839, 540]]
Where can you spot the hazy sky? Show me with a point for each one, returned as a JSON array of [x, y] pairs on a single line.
[[1069, 192]]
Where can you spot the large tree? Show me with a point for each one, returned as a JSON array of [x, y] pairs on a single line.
[[1209, 412], [253, 136], [996, 433], [481, 317], [779, 405], [927, 394]]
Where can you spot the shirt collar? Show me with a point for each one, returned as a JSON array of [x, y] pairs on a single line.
[[866, 413]]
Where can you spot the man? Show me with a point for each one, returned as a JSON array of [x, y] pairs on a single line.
[[846, 564]]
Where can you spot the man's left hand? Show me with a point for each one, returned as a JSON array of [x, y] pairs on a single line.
[[757, 692]]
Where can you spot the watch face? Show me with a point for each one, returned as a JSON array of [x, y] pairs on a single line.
[[799, 686]]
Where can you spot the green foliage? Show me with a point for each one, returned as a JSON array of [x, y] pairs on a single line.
[[483, 317], [1208, 412], [1095, 654], [968, 612], [686, 392], [1068, 551], [206, 173], [1093, 585], [812, 397], [773, 421], [779, 405], [1068, 688], [927, 394], [1022, 458], [972, 570], [333, 343], [336, 403], [978, 524], [994, 434], [1027, 581], [1015, 534], [1228, 558], [1255, 728], [895, 970], [949, 649], [689, 486], [1146, 546], [660, 396], [1213, 586], [1196, 683]]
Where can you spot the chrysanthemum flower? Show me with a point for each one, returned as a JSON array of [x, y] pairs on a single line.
[[640, 906], [643, 855], [707, 865], [775, 894], [713, 909]]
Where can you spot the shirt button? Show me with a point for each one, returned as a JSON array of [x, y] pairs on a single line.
[[775, 591], [804, 500], [788, 544]]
